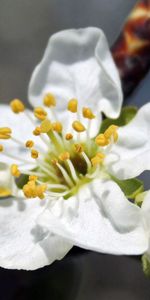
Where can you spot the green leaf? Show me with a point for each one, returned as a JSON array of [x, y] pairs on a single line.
[[130, 187], [140, 198], [127, 114], [21, 181], [146, 265]]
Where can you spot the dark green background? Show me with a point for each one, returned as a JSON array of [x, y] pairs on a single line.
[[25, 27]]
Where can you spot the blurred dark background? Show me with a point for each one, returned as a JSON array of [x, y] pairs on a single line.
[[25, 27]]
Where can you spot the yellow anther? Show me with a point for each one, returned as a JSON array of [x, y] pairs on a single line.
[[4, 192], [29, 144], [46, 126], [69, 136], [17, 106], [34, 153], [57, 126], [73, 105], [49, 100], [15, 171], [64, 156], [5, 133], [101, 140], [78, 148], [1, 148], [78, 126], [33, 178], [54, 161], [87, 113], [30, 190], [111, 131], [40, 190], [98, 159], [40, 113], [37, 131]]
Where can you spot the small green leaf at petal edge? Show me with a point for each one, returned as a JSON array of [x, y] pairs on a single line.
[[130, 187], [146, 265], [127, 114]]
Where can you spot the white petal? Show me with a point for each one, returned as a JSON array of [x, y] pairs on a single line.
[[99, 218], [25, 245], [78, 64], [133, 146], [22, 129]]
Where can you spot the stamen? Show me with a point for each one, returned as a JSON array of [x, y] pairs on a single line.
[[87, 113], [57, 186], [15, 171], [29, 144], [1, 148], [73, 105], [72, 170], [34, 153], [65, 174], [98, 159], [31, 190], [17, 106], [78, 126], [111, 131], [64, 156], [49, 100], [5, 133], [37, 131], [78, 148], [87, 160], [4, 192], [46, 126], [14, 157], [101, 140], [57, 126], [40, 113], [33, 178], [41, 189], [69, 136]]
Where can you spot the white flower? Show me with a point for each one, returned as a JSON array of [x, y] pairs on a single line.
[[73, 173]]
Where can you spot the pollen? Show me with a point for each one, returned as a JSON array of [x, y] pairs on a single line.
[[101, 140], [1, 148], [78, 148], [40, 113], [34, 153], [46, 126], [73, 105], [64, 156], [111, 131], [5, 133], [78, 126], [15, 171], [31, 190], [57, 126], [29, 144], [17, 106], [40, 190], [87, 113], [49, 100], [98, 159], [33, 178], [69, 136], [37, 131]]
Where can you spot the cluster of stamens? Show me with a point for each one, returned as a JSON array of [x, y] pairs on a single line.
[[68, 163]]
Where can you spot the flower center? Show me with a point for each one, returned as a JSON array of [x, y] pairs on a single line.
[[69, 161]]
